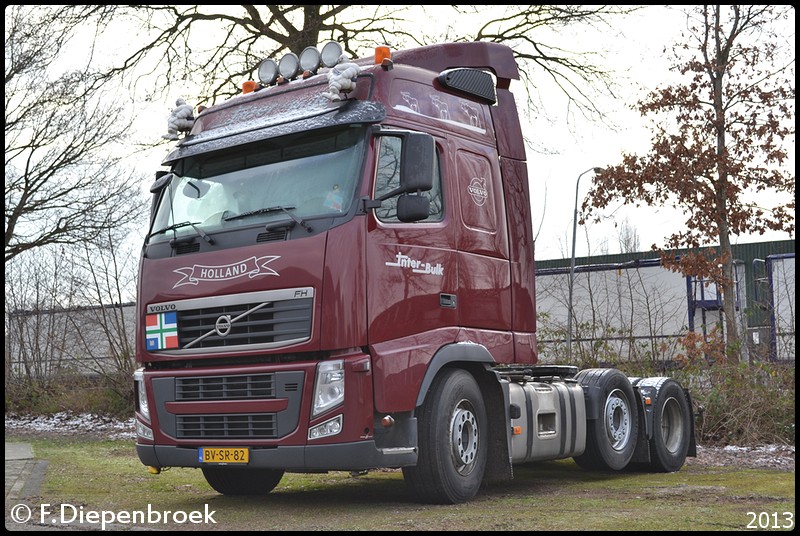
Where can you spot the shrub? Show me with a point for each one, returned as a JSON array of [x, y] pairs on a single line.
[[743, 404], [72, 392]]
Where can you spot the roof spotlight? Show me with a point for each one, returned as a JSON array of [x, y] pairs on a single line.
[[331, 53], [289, 66], [310, 59], [268, 72]]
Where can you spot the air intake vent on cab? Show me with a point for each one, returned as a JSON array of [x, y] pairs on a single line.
[[183, 248], [471, 82], [272, 236]]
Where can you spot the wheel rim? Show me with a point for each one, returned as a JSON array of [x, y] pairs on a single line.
[[672, 425], [618, 419], [464, 437]]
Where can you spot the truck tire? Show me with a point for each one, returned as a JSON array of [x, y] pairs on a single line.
[[453, 439], [671, 428], [610, 438], [242, 481]]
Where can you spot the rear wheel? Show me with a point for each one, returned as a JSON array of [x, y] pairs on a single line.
[[242, 481], [611, 438], [452, 441], [671, 428]]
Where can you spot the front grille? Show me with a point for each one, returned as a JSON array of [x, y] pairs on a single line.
[[251, 323], [242, 387], [242, 425], [194, 400]]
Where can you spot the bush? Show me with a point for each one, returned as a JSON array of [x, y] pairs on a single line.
[[72, 392], [743, 404]]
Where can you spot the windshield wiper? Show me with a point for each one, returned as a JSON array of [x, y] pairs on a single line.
[[175, 226], [276, 208], [257, 211]]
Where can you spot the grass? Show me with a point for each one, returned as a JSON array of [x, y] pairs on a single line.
[[107, 475]]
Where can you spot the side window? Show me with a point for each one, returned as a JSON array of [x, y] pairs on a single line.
[[387, 178]]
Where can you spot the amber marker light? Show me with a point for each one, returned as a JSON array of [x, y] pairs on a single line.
[[248, 86], [387, 421], [382, 53]]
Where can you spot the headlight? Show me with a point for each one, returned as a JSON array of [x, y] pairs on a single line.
[[141, 394], [329, 386]]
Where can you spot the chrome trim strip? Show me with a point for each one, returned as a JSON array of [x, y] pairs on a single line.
[[229, 349], [231, 299]]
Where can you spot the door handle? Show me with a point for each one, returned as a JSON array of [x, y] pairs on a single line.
[[447, 300]]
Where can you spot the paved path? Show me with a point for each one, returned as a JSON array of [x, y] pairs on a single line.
[[24, 474], [24, 477]]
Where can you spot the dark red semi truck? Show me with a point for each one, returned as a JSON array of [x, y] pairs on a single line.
[[339, 276]]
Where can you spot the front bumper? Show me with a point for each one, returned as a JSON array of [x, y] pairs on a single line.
[[356, 456]]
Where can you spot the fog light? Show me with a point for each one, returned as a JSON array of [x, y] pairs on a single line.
[[328, 428], [310, 59], [289, 66], [268, 72], [143, 431], [330, 54]]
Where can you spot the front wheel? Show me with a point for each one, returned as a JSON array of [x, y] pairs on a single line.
[[611, 438], [452, 441], [242, 481]]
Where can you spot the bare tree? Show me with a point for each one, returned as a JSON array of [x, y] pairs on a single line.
[[103, 335], [34, 343], [69, 314], [723, 140], [62, 184], [544, 56], [627, 237], [177, 41]]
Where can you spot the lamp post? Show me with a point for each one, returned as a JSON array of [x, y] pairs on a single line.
[[572, 263]]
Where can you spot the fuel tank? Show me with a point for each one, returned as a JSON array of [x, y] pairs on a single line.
[[551, 423]]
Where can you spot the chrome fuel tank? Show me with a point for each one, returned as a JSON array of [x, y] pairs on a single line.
[[551, 423]]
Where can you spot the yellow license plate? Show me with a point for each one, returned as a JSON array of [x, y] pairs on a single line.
[[224, 455]]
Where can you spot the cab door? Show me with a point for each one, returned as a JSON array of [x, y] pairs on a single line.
[[412, 280], [412, 267]]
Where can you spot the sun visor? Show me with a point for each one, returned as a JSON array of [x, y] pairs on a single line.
[[261, 120]]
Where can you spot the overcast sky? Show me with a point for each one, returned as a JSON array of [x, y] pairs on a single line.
[[637, 53]]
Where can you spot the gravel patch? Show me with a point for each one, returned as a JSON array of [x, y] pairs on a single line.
[[779, 457], [65, 423]]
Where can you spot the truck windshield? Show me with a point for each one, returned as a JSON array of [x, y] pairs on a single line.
[[312, 175]]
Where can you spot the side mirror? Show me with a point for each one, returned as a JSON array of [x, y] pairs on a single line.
[[417, 162], [163, 178], [411, 208]]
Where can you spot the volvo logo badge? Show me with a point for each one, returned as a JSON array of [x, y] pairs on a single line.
[[223, 325]]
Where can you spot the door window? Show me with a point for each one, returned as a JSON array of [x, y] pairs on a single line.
[[387, 178]]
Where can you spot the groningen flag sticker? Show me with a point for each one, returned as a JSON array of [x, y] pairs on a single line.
[[161, 331]]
